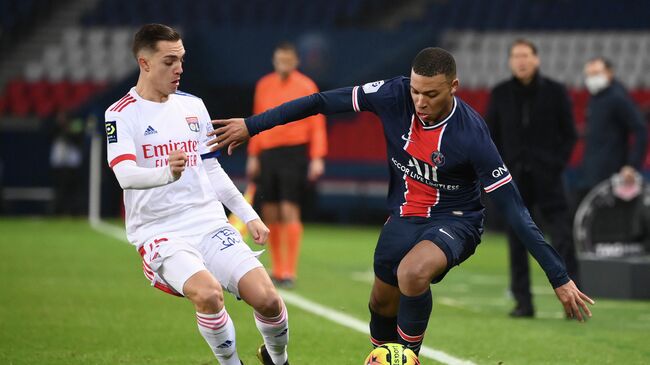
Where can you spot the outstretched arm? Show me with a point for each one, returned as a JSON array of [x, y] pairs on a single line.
[[234, 132], [509, 203]]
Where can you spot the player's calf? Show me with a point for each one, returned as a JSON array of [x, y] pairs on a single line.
[[271, 317], [412, 319], [417, 269], [275, 331], [384, 301], [218, 331]]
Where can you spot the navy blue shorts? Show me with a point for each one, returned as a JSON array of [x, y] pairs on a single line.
[[457, 237]]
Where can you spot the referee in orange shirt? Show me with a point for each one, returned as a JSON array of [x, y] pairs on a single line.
[[281, 160]]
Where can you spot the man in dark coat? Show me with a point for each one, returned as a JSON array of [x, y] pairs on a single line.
[[612, 117], [531, 123]]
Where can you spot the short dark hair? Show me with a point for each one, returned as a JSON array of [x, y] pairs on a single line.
[[523, 42], [148, 36], [434, 61], [286, 46], [608, 64]]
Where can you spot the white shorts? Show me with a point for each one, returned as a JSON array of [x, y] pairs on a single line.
[[168, 261]]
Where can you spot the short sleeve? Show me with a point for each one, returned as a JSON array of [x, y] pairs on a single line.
[[205, 127], [487, 163], [119, 140]]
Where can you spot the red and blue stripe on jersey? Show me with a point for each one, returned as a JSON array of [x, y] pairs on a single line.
[[434, 169], [420, 144]]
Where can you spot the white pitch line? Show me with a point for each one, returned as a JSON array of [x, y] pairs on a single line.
[[310, 306], [360, 326], [109, 230]]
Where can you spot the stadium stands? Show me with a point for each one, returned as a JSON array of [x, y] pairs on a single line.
[[482, 57], [342, 43], [70, 72], [15, 16], [290, 13]]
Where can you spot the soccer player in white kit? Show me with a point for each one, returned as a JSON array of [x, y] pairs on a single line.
[[174, 189]]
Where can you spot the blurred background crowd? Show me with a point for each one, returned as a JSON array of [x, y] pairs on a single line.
[[65, 61]]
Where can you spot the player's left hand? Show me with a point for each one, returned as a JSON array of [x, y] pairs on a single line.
[[573, 301], [258, 230], [228, 132]]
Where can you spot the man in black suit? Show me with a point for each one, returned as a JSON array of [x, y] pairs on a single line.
[[531, 123]]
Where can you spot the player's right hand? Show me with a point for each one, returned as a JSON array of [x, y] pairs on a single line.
[[177, 160], [258, 230], [228, 132], [573, 301]]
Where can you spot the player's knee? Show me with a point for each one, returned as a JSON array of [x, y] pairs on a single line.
[[209, 296], [269, 304], [415, 277]]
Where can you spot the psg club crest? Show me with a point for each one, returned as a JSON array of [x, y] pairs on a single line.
[[438, 158], [193, 123]]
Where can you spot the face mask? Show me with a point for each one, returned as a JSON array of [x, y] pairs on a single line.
[[596, 83]]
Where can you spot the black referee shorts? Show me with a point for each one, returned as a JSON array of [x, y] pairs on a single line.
[[283, 174]]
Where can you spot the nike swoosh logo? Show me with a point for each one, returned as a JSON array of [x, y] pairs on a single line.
[[406, 138], [443, 231]]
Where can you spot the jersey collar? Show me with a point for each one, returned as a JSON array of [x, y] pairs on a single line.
[[426, 126]]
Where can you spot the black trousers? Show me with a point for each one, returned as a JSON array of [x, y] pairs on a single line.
[[541, 189]]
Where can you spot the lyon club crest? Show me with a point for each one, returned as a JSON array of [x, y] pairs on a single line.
[[438, 158], [193, 123]]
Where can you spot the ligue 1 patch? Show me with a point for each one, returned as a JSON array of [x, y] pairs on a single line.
[[372, 87], [438, 158], [193, 123], [111, 131]]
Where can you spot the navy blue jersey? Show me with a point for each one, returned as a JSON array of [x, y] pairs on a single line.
[[434, 169]]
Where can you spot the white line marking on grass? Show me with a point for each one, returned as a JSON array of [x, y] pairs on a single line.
[[360, 326], [109, 230], [308, 305]]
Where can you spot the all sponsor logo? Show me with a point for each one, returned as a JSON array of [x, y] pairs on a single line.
[[422, 172], [159, 152], [372, 87], [111, 131], [193, 123], [150, 130], [499, 171], [225, 345], [438, 158]]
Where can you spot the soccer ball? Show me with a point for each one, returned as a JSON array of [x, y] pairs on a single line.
[[392, 354]]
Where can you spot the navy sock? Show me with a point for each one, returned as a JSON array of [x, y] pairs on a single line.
[[382, 329], [412, 319]]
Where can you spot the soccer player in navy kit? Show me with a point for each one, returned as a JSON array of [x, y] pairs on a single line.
[[440, 154]]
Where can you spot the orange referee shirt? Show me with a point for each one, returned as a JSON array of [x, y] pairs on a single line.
[[272, 91]]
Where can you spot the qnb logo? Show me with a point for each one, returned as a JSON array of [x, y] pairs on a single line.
[[499, 171]]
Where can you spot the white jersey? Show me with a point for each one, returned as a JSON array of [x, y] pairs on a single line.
[[145, 132]]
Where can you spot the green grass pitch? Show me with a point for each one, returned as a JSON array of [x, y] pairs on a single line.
[[71, 295]]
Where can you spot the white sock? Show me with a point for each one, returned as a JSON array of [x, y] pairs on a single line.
[[275, 332], [219, 332]]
